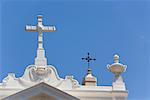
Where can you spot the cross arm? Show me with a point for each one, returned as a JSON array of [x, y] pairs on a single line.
[[48, 28], [31, 28]]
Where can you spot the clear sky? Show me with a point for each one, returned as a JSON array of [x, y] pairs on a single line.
[[103, 28]]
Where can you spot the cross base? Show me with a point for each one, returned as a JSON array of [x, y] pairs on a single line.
[[40, 60]]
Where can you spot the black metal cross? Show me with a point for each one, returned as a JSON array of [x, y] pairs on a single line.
[[88, 59]]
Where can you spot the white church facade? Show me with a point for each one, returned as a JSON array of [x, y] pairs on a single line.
[[41, 81]]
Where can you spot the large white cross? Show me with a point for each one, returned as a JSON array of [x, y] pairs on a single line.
[[40, 60]]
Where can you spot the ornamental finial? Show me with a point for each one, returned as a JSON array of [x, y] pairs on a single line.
[[89, 79], [116, 58], [117, 69]]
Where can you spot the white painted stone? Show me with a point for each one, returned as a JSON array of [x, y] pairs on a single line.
[[89, 79], [42, 80]]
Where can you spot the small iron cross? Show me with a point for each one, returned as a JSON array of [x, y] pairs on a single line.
[[88, 59]]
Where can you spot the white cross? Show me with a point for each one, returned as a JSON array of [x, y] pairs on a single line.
[[40, 60], [40, 28]]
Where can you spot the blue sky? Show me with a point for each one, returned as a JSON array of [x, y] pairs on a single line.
[[103, 28]]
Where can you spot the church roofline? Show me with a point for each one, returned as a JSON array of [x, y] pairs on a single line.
[[43, 85]]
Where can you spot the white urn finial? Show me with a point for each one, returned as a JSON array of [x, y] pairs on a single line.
[[117, 69]]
